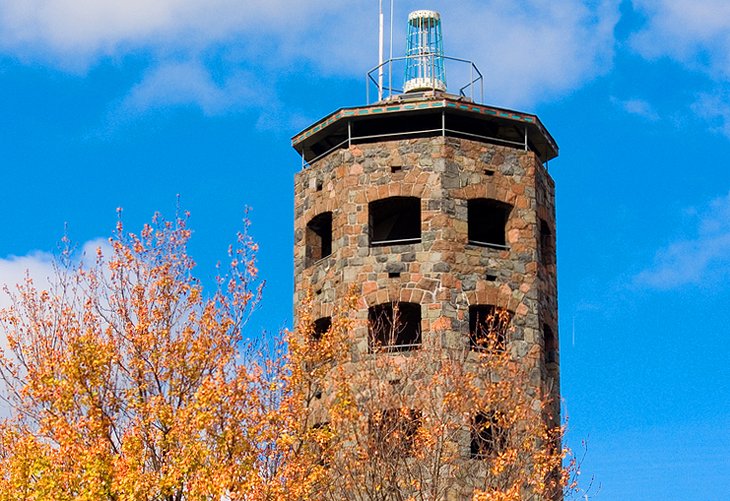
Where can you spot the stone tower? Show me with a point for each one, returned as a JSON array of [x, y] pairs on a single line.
[[440, 206]]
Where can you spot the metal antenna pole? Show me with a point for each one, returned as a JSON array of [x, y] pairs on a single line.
[[390, 45], [380, 51]]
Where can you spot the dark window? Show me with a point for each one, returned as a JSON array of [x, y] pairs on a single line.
[[393, 431], [321, 325], [319, 237], [488, 326], [487, 220], [395, 220], [547, 247], [488, 438], [551, 344], [395, 327]]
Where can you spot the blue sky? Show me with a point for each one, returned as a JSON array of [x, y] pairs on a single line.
[[107, 104]]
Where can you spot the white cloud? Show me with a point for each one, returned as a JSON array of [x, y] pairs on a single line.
[[534, 50], [693, 32], [15, 269], [705, 258], [528, 50], [39, 266]]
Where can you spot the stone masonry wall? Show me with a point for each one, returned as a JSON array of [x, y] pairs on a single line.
[[443, 272]]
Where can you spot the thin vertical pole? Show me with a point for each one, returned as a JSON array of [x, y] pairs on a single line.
[[349, 134], [390, 45], [525, 137], [380, 51], [443, 123]]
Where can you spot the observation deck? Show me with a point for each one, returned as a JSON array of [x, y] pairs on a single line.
[[424, 114]]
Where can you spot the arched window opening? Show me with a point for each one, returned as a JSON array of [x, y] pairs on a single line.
[[488, 437], [318, 239], [394, 221], [488, 327], [547, 244], [393, 431], [487, 221], [395, 327], [321, 326]]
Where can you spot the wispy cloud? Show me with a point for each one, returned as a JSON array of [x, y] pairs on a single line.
[[190, 83], [695, 34], [715, 109], [703, 258], [638, 107]]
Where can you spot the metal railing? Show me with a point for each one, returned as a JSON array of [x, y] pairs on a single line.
[[489, 244], [394, 348], [395, 242], [475, 78], [443, 130]]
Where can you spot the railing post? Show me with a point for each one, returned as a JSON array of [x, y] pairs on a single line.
[[525, 137]]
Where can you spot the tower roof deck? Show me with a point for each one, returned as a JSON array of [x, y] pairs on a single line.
[[425, 114]]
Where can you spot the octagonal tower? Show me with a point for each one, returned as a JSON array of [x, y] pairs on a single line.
[[437, 204]]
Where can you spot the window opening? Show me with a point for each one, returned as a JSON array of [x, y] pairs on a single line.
[[487, 220], [488, 326], [551, 344], [491, 278], [394, 274], [488, 438], [396, 168], [319, 237], [395, 327], [394, 431], [488, 172], [547, 251], [395, 220], [321, 326]]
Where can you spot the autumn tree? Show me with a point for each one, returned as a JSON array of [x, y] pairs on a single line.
[[124, 380]]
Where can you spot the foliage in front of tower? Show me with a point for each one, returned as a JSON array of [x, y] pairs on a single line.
[[430, 424], [126, 381]]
